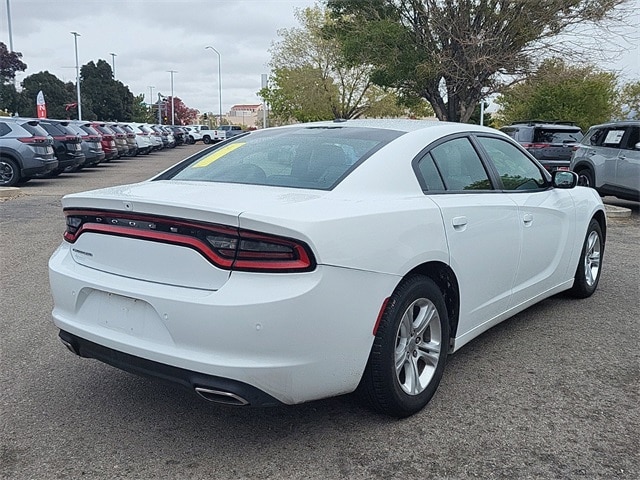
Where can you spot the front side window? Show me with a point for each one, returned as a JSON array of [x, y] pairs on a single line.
[[633, 138], [460, 166], [516, 170], [305, 157]]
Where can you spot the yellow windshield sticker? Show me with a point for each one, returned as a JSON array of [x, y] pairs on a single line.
[[221, 152]]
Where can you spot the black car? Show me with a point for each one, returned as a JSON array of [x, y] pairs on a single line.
[[91, 142], [66, 146], [552, 143]]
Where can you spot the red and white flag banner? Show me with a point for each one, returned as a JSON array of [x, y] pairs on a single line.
[[41, 107]]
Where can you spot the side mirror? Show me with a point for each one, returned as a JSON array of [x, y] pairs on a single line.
[[564, 179], [637, 146]]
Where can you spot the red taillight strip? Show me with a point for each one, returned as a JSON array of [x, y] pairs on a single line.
[[162, 237], [298, 259]]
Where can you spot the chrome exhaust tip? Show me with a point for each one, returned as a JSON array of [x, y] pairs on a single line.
[[69, 346], [219, 396]]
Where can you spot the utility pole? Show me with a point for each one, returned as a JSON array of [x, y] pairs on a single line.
[[75, 39]]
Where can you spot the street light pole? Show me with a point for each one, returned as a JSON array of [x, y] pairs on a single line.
[[151, 97], [113, 64], [75, 41], [219, 83], [172, 105], [159, 113], [9, 21]]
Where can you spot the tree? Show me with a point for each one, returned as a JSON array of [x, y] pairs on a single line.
[[183, 115], [141, 111], [10, 63], [630, 100], [104, 98], [558, 91], [310, 79], [454, 53], [57, 95]]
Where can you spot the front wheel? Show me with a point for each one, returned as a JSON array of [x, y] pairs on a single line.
[[585, 178], [590, 266], [409, 350]]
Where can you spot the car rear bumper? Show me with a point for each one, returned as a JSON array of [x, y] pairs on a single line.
[[43, 167], [217, 389], [294, 337]]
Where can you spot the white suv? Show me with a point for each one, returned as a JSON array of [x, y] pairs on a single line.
[[194, 133], [608, 159]]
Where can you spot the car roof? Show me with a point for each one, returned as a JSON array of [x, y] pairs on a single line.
[[618, 123], [401, 125]]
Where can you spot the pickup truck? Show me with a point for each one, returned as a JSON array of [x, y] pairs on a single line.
[[208, 134], [213, 135]]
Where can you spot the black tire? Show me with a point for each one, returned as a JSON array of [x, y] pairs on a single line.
[[585, 178], [590, 264], [206, 139], [9, 172], [415, 311]]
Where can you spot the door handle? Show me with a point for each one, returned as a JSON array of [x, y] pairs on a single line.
[[459, 223], [527, 218]]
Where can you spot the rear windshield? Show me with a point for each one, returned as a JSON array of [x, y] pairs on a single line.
[[54, 130], [89, 129], [104, 129], [556, 136], [305, 157], [34, 129]]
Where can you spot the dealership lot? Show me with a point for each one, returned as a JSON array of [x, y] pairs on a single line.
[[551, 393]]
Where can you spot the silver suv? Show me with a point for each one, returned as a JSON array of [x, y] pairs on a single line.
[[26, 150], [608, 159]]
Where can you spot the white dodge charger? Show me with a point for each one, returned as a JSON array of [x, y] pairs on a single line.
[[296, 263]]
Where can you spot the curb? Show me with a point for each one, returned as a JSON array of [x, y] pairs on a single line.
[[8, 192], [613, 211]]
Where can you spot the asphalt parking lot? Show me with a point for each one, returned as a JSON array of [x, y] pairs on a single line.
[[551, 393]]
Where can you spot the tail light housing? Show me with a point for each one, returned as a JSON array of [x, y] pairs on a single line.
[[36, 140], [225, 247]]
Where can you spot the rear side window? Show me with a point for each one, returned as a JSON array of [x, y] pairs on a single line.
[[4, 129], [305, 157], [460, 166], [613, 137]]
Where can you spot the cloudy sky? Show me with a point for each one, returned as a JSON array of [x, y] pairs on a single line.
[[151, 37]]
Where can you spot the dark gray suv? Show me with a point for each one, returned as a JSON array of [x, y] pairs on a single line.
[[552, 143], [26, 150], [608, 159]]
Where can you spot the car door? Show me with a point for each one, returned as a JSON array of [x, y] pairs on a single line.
[[545, 217], [628, 161], [481, 226]]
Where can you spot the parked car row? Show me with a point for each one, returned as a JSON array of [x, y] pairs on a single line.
[[32, 148], [607, 158]]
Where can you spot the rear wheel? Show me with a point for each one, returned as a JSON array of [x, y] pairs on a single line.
[[9, 172], [409, 351], [590, 266], [206, 139]]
